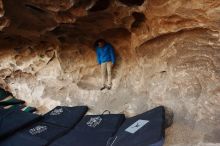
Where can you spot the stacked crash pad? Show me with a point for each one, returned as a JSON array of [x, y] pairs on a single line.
[[92, 130], [69, 126], [13, 120], [53, 125], [7, 101], [147, 129]]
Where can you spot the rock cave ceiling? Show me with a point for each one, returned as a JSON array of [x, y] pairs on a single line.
[[50, 20], [31, 21], [28, 21]]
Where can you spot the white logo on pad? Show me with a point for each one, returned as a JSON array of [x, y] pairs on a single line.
[[38, 129], [56, 112], [95, 121], [136, 126]]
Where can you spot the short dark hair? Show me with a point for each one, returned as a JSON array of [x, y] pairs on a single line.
[[98, 41]]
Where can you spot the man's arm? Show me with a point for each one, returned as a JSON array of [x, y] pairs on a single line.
[[98, 56], [112, 53]]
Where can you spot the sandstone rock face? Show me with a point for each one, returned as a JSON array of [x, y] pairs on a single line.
[[168, 53]]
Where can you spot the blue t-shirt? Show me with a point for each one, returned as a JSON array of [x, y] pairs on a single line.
[[105, 54]]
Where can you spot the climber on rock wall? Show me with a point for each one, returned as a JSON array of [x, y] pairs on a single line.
[[106, 58]]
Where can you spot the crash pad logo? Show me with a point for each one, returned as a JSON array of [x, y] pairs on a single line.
[[38, 129], [94, 121], [56, 112], [136, 126]]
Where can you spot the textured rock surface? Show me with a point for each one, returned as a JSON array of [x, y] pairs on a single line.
[[168, 53]]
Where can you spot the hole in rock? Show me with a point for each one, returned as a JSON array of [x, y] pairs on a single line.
[[139, 18], [9, 38], [17, 50], [100, 5], [80, 3], [62, 39], [132, 2], [59, 31], [163, 72], [31, 7]]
